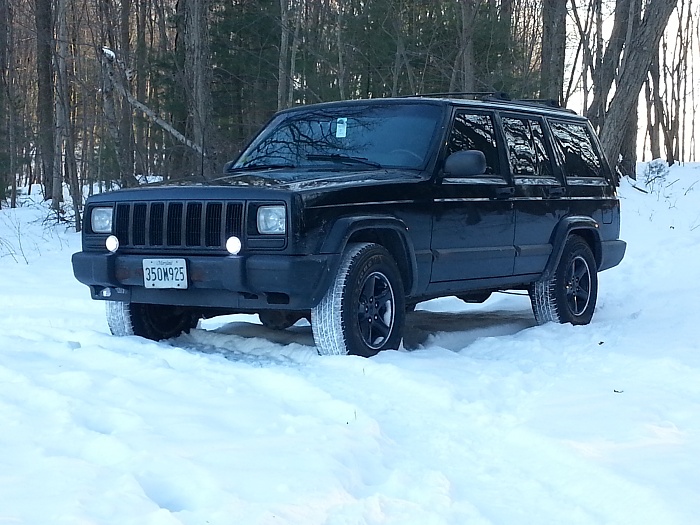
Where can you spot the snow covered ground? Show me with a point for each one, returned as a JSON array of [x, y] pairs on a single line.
[[484, 418]]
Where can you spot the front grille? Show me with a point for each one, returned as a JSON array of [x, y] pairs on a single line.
[[184, 225]]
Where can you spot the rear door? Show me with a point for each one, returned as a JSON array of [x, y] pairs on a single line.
[[473, 226], [541, 198]]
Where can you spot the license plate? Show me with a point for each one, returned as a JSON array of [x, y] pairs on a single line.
[[164, 273]]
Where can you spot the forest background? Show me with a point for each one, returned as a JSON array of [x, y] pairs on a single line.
[[98, 93]]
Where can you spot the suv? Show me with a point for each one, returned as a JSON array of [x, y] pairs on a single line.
[[349, 213]]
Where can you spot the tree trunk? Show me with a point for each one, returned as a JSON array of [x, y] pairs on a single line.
[[64, 123], [553, 49], [198, 76], [638, 58], [6, 143], [341, 59], [463, 75], [45, 108], [143, 164], [126, 125], [654, 109], [628, 148], [293, 58], [282, 63], [607, 66]]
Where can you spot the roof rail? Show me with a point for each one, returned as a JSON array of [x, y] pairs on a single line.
[[496, 96], [549, 102], [482, 95]]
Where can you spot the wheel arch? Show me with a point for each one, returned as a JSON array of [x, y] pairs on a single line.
[[586, 228], [389, 232]]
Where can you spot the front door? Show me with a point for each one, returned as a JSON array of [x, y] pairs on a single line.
[[473, 222]]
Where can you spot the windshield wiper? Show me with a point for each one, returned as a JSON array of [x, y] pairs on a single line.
[[259, 167], [344, 159]]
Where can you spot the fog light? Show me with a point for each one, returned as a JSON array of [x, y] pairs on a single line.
[[106, 292], [112, 243], [233, 245]]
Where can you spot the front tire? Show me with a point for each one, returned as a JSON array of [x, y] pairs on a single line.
[[570, 295], [363, 311], [152, 321]]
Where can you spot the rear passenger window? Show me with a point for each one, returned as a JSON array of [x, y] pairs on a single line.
[[576, 147], [521, 149], [527, 152], [475, 131], [544, 162]]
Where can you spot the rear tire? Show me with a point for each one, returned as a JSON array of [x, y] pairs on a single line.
[[363, 311], [152, 321], [570, 295]]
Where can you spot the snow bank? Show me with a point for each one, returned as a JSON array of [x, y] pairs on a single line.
[[483, 418]]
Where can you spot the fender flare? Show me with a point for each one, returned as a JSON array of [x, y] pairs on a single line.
[[567, 227], [345, 228]]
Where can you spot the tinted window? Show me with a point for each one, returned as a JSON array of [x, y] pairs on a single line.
[[521, 149], [470, 131], [544, 163], [526, 148], [392, 135], [576, 147]]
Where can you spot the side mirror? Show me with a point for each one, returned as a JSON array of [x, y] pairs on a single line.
[[227, 166], [468, 163]]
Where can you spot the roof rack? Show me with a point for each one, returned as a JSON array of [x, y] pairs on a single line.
[[497, 96], [476, 95], [552, 103]]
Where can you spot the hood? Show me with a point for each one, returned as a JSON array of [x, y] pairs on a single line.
[[304, 180], [260, 184]]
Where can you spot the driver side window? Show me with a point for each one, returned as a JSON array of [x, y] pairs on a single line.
[[473, 131]]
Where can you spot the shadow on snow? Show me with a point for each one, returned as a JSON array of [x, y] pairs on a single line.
[[251, 343]]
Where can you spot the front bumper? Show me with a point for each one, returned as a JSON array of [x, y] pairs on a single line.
[[242, 283]]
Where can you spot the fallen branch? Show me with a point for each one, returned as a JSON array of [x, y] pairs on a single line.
[[110, 60]]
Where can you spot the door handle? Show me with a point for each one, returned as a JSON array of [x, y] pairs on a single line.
[[555, 191], [505, 193]]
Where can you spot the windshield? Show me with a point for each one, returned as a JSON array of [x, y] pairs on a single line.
[[353, 137]]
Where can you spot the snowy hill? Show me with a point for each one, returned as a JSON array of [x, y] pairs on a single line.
[[483, 418]]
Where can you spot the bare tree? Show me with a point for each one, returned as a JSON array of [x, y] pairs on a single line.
[[65, 145], [45, 103], [6, 109], [642, 45], [463, 77], [198, 78], [669, 90], [283, 62], [553, 49]]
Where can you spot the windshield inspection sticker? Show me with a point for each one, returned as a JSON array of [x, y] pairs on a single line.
[[341, 128]]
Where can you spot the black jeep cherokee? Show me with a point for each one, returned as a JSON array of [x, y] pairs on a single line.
[[350, 213]]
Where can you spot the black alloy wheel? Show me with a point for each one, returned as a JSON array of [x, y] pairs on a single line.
[[364, 309], [376, 310], [570, 294], [578, 285]]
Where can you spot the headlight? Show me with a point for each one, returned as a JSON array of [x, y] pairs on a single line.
[[272, 220], [101, 220]]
